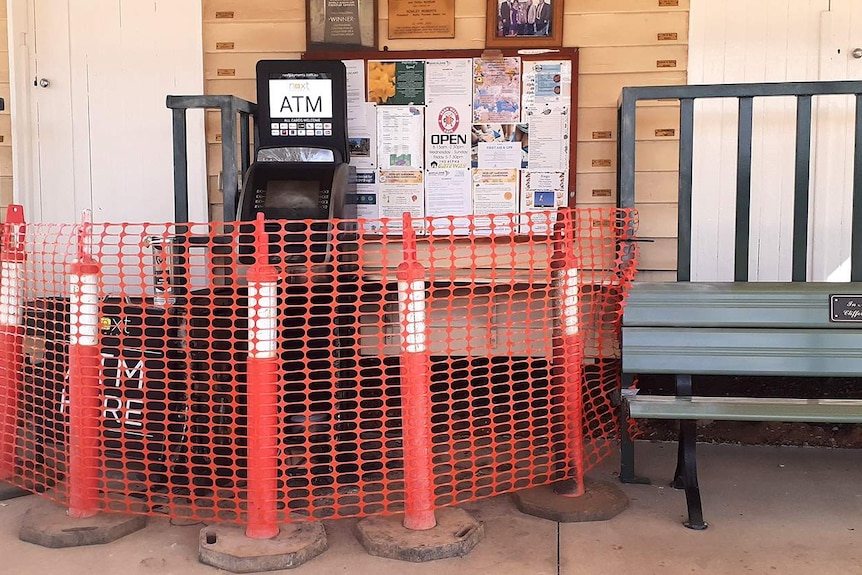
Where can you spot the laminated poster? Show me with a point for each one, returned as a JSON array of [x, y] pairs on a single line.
[[402, 191], [447, 137], [367, 207], [399, 83], [547, 86], [497, 91], [400, 131], [448, 194], [541, 192]]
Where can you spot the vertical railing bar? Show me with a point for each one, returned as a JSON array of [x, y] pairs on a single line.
[[686, 161], [743, 189], [181, 165], [244, 141], [230, 177], [626, 150], [626, 166], [802, 179], [856, 237]]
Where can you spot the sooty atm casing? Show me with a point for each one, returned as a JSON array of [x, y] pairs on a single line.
[[301, 177], [302, 166]]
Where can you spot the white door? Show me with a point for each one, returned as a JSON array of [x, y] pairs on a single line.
[[90, 79]]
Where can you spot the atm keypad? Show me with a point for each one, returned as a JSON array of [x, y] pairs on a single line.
[[301, 129]]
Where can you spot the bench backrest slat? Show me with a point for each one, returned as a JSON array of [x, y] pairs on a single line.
[[742, 351], [727, 304]]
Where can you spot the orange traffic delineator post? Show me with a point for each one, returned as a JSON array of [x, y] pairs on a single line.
[[415, 387], [84, 393], [50, 525], [263, 393], [577, 498], [11, 340], [263, 546], [421, 535]]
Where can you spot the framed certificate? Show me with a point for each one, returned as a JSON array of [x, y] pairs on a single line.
[[341, 24]]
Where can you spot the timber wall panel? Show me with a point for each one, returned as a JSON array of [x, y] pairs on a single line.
[[631, 43]]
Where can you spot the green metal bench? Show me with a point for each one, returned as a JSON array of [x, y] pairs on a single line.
[[776, 329], [737, 328]]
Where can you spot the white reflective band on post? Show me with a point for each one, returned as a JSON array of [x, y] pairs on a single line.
[[263, 316], [84, 309], [570, 303], [10, 294], [411, 309]]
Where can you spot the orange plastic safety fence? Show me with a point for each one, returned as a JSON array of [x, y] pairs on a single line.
[[285, 371]]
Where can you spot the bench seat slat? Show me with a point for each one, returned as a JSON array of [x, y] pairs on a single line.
[[745, 409], [738, 351], [729, 304]]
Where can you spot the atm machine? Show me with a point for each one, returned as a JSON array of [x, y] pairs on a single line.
[[301, 177], [302, 166]]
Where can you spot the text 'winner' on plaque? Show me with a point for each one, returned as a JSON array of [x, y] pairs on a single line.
[[421, 19], [340, 24]]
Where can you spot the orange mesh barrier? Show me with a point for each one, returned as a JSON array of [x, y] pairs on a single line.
[[267, 372]]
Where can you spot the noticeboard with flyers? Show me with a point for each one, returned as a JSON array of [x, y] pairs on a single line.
[[461, 133]]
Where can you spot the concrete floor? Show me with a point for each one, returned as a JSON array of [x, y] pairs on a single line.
[[772, 510]]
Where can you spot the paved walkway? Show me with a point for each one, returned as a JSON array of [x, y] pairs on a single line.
[[772, 510]]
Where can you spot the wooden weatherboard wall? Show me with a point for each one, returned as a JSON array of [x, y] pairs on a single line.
[[631, 43], [622, 43]]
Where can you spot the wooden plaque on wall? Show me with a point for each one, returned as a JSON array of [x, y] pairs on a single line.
[[421, 19]]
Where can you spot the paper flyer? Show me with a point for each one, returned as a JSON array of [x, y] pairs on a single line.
[[449, 82], [499, 155], [363, 140], [482, 134], [495, 192], [547, 85], [400, 137], [541, 192], [356, 117], [448, 194], [547, 142], [497, 91], [447, 137], [398, 83], [367, 207], [401, 191]]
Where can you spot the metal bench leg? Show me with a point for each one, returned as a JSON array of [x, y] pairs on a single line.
[[685, 476], [627, 445], [687, 442]]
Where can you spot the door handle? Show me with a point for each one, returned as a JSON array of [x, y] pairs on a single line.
[[44, 82], [856, 53]]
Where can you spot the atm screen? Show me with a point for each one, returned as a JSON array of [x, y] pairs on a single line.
[[292, 194], [300, 98]]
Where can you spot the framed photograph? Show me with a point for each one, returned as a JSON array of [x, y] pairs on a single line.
[[341, 24], [524, 24]]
